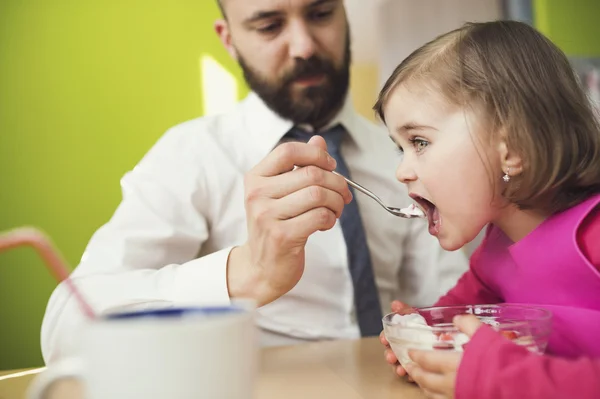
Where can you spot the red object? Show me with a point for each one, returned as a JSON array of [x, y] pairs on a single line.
[[446, 337], [32, 237], [510, 335]]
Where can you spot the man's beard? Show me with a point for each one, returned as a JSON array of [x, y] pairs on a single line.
[[314, 105]]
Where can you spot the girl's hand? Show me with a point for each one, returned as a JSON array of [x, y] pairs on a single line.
[[435, 371], [400, 308]]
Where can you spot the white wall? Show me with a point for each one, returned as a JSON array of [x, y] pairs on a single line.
[[404, 25], [362, 15]]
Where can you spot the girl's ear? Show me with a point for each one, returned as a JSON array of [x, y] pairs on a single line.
[[510, 162]]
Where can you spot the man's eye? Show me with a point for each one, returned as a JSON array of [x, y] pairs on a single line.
[[270, 28], [320, 15]]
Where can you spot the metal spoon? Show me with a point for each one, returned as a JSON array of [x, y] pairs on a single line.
[[403, 213]]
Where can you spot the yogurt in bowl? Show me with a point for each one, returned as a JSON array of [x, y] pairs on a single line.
[[432, 328]]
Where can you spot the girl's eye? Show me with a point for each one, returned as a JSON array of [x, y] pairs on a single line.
[[419, 144]]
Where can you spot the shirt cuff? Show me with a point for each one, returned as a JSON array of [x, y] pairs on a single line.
[[203, 280]]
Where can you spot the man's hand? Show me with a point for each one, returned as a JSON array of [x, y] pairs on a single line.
[[390, 357], [284, 206], [435, 371]]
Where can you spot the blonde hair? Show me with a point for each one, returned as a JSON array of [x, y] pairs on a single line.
[[529, 96]]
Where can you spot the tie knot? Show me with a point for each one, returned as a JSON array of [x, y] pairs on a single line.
[[333, 136]]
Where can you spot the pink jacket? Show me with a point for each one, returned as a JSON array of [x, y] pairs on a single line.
[[548, 269]]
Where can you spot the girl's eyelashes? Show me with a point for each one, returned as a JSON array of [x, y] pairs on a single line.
[[418, 143]]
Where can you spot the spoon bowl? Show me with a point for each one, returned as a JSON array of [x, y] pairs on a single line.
[[407, 213]]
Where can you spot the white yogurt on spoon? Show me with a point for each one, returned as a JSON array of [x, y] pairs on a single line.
[[413, 210]]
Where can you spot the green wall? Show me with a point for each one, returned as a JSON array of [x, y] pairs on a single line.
[[574, 25], [85, 89]]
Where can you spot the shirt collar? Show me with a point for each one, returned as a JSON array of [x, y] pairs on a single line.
[[267, 128]]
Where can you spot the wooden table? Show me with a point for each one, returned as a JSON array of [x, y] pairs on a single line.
[[351, 369]]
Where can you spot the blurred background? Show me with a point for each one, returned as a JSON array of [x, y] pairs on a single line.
[[86, 88]]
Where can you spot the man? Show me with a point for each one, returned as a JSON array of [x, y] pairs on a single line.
[[236, 205]]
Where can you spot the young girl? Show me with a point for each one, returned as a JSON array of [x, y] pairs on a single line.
[[496, 131]]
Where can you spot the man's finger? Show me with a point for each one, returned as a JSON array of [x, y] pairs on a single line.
[[467, 324], [290, 182], [436, 361], [308, 198], [287, 155], [318, 141], [302, 226]]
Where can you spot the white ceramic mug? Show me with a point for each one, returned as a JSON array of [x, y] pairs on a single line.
[[173, 352]]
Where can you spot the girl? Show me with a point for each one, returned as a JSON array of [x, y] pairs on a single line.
[[496, 131]]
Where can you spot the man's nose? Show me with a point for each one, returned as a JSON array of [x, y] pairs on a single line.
[[405, 173], [301, 41]]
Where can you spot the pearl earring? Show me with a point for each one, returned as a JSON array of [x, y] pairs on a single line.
[[506, 176]]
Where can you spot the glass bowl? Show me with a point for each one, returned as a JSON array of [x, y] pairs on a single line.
[[432, 328]]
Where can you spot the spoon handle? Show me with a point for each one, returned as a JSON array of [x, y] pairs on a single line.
[[360, 188]]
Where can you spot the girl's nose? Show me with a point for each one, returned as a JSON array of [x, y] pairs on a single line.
[[405, 173]]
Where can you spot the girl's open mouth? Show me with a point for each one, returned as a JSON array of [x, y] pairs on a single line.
[[433, 215]]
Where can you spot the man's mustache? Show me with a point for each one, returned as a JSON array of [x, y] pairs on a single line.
[[308, 68]]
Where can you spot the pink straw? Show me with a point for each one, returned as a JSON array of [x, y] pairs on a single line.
[[29, 236]]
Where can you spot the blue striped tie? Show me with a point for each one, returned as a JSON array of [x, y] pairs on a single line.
[[366, 298]]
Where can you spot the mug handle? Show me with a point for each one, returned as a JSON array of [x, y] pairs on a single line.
[[71, 367], [63, 369]]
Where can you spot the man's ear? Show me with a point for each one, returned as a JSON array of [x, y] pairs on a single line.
[[510, 162], [222, 29]]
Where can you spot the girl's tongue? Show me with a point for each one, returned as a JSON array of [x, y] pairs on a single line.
[[435, 221]]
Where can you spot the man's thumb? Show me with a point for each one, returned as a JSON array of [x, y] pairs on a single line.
[[318, 141]]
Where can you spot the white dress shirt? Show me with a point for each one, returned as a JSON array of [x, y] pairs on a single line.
[[183, 210]]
